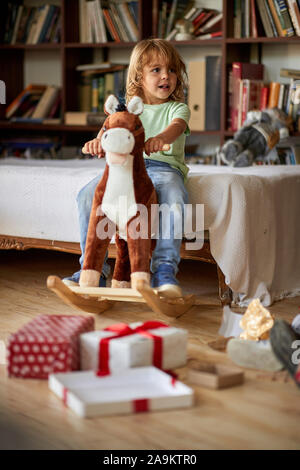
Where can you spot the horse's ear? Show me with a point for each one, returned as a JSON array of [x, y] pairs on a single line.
[[135, 105], [110, 104]]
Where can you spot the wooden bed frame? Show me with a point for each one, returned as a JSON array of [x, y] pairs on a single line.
[[8, 242]]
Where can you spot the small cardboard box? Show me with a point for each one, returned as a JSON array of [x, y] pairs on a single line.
[[215, 376], [132, 391]]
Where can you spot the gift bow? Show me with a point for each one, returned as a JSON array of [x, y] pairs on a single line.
[[122, 329]]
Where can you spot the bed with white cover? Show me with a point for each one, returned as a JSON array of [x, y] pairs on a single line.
[[252, 216]]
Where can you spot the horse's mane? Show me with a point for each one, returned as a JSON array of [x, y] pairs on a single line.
[[121, 107]]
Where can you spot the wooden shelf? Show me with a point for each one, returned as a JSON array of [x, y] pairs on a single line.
[[73, 53], [47, 127], [72, 128], [41, 46], [199, 42], [80, 45], [279, 40]]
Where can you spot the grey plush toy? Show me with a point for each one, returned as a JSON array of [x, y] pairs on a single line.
[[260, 133]]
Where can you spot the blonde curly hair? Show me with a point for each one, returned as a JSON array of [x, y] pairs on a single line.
[[144, 53]]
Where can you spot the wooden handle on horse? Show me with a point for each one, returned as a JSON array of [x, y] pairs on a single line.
[[165, 148]]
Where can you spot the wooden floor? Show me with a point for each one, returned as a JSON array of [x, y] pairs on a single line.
[[261, 414]]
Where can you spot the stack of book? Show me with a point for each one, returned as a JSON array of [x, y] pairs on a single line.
[[248, 92], [101, 21], [36, 104], [31, 25], [271, 18], [97, 81], [245, 91], [288, 155], [204, 23]]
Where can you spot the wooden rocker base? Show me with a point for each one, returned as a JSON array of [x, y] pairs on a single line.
[[99, 299]]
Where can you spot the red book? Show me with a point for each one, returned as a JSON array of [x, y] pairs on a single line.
[[240, 71], [199, 18], [251, 97], [264, 97], [202, 22], [110, 25]]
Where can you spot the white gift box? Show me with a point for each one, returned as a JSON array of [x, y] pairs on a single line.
[[132, 391], [135, 350]]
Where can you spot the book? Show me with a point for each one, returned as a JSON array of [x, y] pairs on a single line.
[[33, 25], [85, 93], [273, 94], [284, 18], [213, 93], [46, 102], [82, 21], [265, 18], [264, 97], [77, 118], [125, 21], [237, 19], [253, 21], [110, 25], [94, 66], [207, 27], [274, 13], [96, 119], [101, 92], [272, 22], [196, 96], [95, 95], [294, 14], [250, 97], [100, 22], [98, 71], [171, 17], [290, 73], [217, 34], [28, 91], [118, 23], [48, 23], [129, 21], [40, 23], [280, 96], [17, 24], [240, 71]]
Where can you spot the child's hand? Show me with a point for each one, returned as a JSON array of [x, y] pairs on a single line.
[[156, 144], [93, 147]]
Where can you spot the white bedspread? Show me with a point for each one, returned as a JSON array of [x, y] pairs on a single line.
[[252, 214]]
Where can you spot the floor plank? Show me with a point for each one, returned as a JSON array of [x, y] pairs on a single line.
[[263, 413]]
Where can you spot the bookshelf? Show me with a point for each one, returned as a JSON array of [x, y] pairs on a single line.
[[71, 52]]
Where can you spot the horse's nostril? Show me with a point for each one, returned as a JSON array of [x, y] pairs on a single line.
[[105, 136]]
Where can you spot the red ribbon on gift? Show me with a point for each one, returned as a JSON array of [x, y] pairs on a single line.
[[122, 329], [65, 396], [141, 405]]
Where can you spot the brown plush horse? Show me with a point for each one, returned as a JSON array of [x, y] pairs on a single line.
[[122, 200]]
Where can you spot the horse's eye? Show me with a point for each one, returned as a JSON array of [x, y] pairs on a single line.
[[137, 127]]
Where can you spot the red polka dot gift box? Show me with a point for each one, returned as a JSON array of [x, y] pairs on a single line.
[[47, 344]]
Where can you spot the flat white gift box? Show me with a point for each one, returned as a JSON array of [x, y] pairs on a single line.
[[133, 390], [135, 350]]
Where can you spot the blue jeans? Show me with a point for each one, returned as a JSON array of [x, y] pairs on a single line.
[[170, 189]]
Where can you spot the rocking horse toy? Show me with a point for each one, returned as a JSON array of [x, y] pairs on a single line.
[[123, 206]]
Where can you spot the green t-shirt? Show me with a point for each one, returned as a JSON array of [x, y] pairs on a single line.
[[155, 118]]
